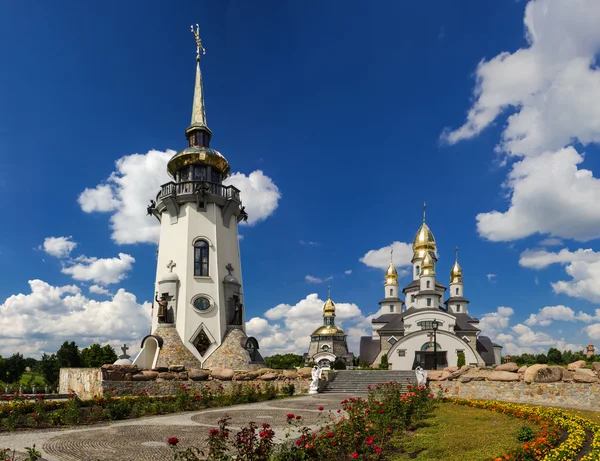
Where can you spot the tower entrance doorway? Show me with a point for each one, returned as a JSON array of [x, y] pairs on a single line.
[[427, 360]]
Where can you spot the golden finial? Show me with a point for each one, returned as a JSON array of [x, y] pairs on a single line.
[[329, 291], [424, 210], [392, 255], [456, 252], [199, 46]]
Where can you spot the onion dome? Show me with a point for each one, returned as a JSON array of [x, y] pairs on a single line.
[[424, 241], [456, 274], [427, 267], [328, 330], [391, 275], [329, 308]]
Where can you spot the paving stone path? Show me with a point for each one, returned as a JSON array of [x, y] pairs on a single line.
[[145, 439]]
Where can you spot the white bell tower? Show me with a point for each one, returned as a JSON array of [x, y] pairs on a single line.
[[199, 299]]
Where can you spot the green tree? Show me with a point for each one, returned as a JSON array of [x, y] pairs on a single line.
[[460, 359], [96, 355], [2, 369], [541, 358], [555, 356], [14, 368], [108, 354], [69, 356], [339, 365], [384, 365], [284, 361], [50, 369]]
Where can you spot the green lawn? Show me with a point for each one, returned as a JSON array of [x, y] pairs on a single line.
[[458, 433], [38, 379]]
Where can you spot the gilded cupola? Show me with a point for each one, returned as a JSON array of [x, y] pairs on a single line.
[[329, 308], [424, 241], [198, 134], [456, 275], [428, 264], [391, 275], [329, 327]]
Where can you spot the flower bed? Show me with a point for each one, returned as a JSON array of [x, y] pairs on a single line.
[[552, 422], [17, 412]]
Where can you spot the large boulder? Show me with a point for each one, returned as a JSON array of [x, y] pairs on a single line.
[[437, 375], [510, 366], [269, 376], [477, 374], [141, 377], [581, 377], [176, 368], [576, 365], [549, 375], [305, 372], [522, 369], [451, 369], [222, 374], [198, 375], [152, 375], [503, 376], [460, 372], [529, 375], [568, 376], [166, 376], [246, 376], [596, 366]]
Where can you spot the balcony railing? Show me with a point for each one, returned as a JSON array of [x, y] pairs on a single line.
[[199, 187]]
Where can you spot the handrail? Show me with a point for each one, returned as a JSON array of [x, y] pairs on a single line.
[[202, 187]]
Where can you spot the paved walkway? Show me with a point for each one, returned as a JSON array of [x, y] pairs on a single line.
[[146, 438]]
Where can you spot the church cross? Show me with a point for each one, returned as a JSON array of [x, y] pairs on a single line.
[[199, 47], [171, 265], [124, 348], [229, 268], [431, 336]]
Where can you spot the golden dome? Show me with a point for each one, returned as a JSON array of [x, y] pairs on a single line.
[[328, 330], [427, 267], [328, 308], [456, 275], [424, 240], [391, 275]]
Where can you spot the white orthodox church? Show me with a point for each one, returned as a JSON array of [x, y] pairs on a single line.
[[424, 330], [198, 311]]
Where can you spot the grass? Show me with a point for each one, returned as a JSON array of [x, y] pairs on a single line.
[[38, 379], [458, 433]]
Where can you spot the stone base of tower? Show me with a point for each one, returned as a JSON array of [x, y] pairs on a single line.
[[173, 352], [233, 354]]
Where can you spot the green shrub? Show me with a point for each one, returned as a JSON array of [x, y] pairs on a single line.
[[460, 361], [384, 365], [525, 434]]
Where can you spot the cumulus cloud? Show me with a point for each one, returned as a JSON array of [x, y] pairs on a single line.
[[39, 321], [582, 265], [380, 259], [550, 241], [552, 88], [312, 279], [137, 179], [548, 314], [96, 289], [286, 328], [348, 272], [494, 322], [59, 247], [103, 271]]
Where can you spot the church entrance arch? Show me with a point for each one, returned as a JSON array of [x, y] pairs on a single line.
[[325, 363]]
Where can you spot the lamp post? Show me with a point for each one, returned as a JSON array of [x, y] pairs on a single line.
[[435, 324]]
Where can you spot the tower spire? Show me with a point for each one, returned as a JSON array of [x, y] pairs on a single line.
[[328, 291], [424, 210], [456, 251], [198, 110]]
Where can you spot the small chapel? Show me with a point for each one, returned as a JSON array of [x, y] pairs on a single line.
[[328, 345], [423, 330]]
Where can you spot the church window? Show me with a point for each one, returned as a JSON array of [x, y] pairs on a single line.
[[325, 347], [392, 308], [457, 291], [428, 302], [199, 173], [391, 292], [184, 174], [215, 176], [401, 352], [201, 259], [392, 340], [417, 269], [458, 308], [412, 298], [202, 342], [428, 284]]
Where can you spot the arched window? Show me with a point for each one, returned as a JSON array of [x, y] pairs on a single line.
[[428, 302], [417, 269], [428, 283], [391, 292], [456, 290], [201, 258], [392, 308]]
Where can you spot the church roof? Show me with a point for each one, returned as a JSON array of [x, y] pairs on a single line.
[[464, 322], [429, 292], [369, 349], [457, 299], [417, 284], [390, 300], [486, 350]]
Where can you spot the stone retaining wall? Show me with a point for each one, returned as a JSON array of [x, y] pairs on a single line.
[[129, 380]]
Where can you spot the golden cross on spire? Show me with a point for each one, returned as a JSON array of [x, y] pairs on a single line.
[[199, 46], [424, 210], [329, 291], [392, 255], [456, 251]]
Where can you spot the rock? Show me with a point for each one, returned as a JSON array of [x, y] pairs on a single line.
[[451, 369], [126, 368], [580, 377], [510, 366], [108, 367], [116, 376], [531, 371], [596, 366], [182, 375], [246, 376], [477, 374], [576, 365], [587, 371], [568, 376], [128, 376], [166, 375], [141, 377], [305, 372], [522, 369], [161, 369], [198, 375], [262, 371], [458, 373], [176, 368], [503, 376], [269, 376], [152, 375], [464, 379], [548, 375], [437, 375], [222, 374], [289, 374]]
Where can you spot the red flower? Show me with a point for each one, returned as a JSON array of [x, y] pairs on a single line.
[[266, 426], [377, 450], [173, 441], [355, 455], [369, 440], [298, 417], [334, 443], [321, 408], [298, 442], [214, 432], [290, 416], [330, 434]]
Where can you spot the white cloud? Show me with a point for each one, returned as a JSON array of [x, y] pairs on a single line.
[[348, 272], [287, 328], [41, 320], [493, 323], [312, 279], [101, 271], [548, 314], [59, 247], [380, 259], [99, 290], [491, 278], [552, 88], [550, 241], [259, 194], [308, 243], [583, 266], [137, 179]]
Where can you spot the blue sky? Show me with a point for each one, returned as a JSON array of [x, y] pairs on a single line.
[[355, 114]]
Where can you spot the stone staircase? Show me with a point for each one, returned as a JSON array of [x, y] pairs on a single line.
[[356, 381]]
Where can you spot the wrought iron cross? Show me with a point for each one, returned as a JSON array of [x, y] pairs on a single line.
[[431, 336], [171, 265], [229, 268], [124, 348]]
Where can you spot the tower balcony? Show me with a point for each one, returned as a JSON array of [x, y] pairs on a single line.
[[193, 188]]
